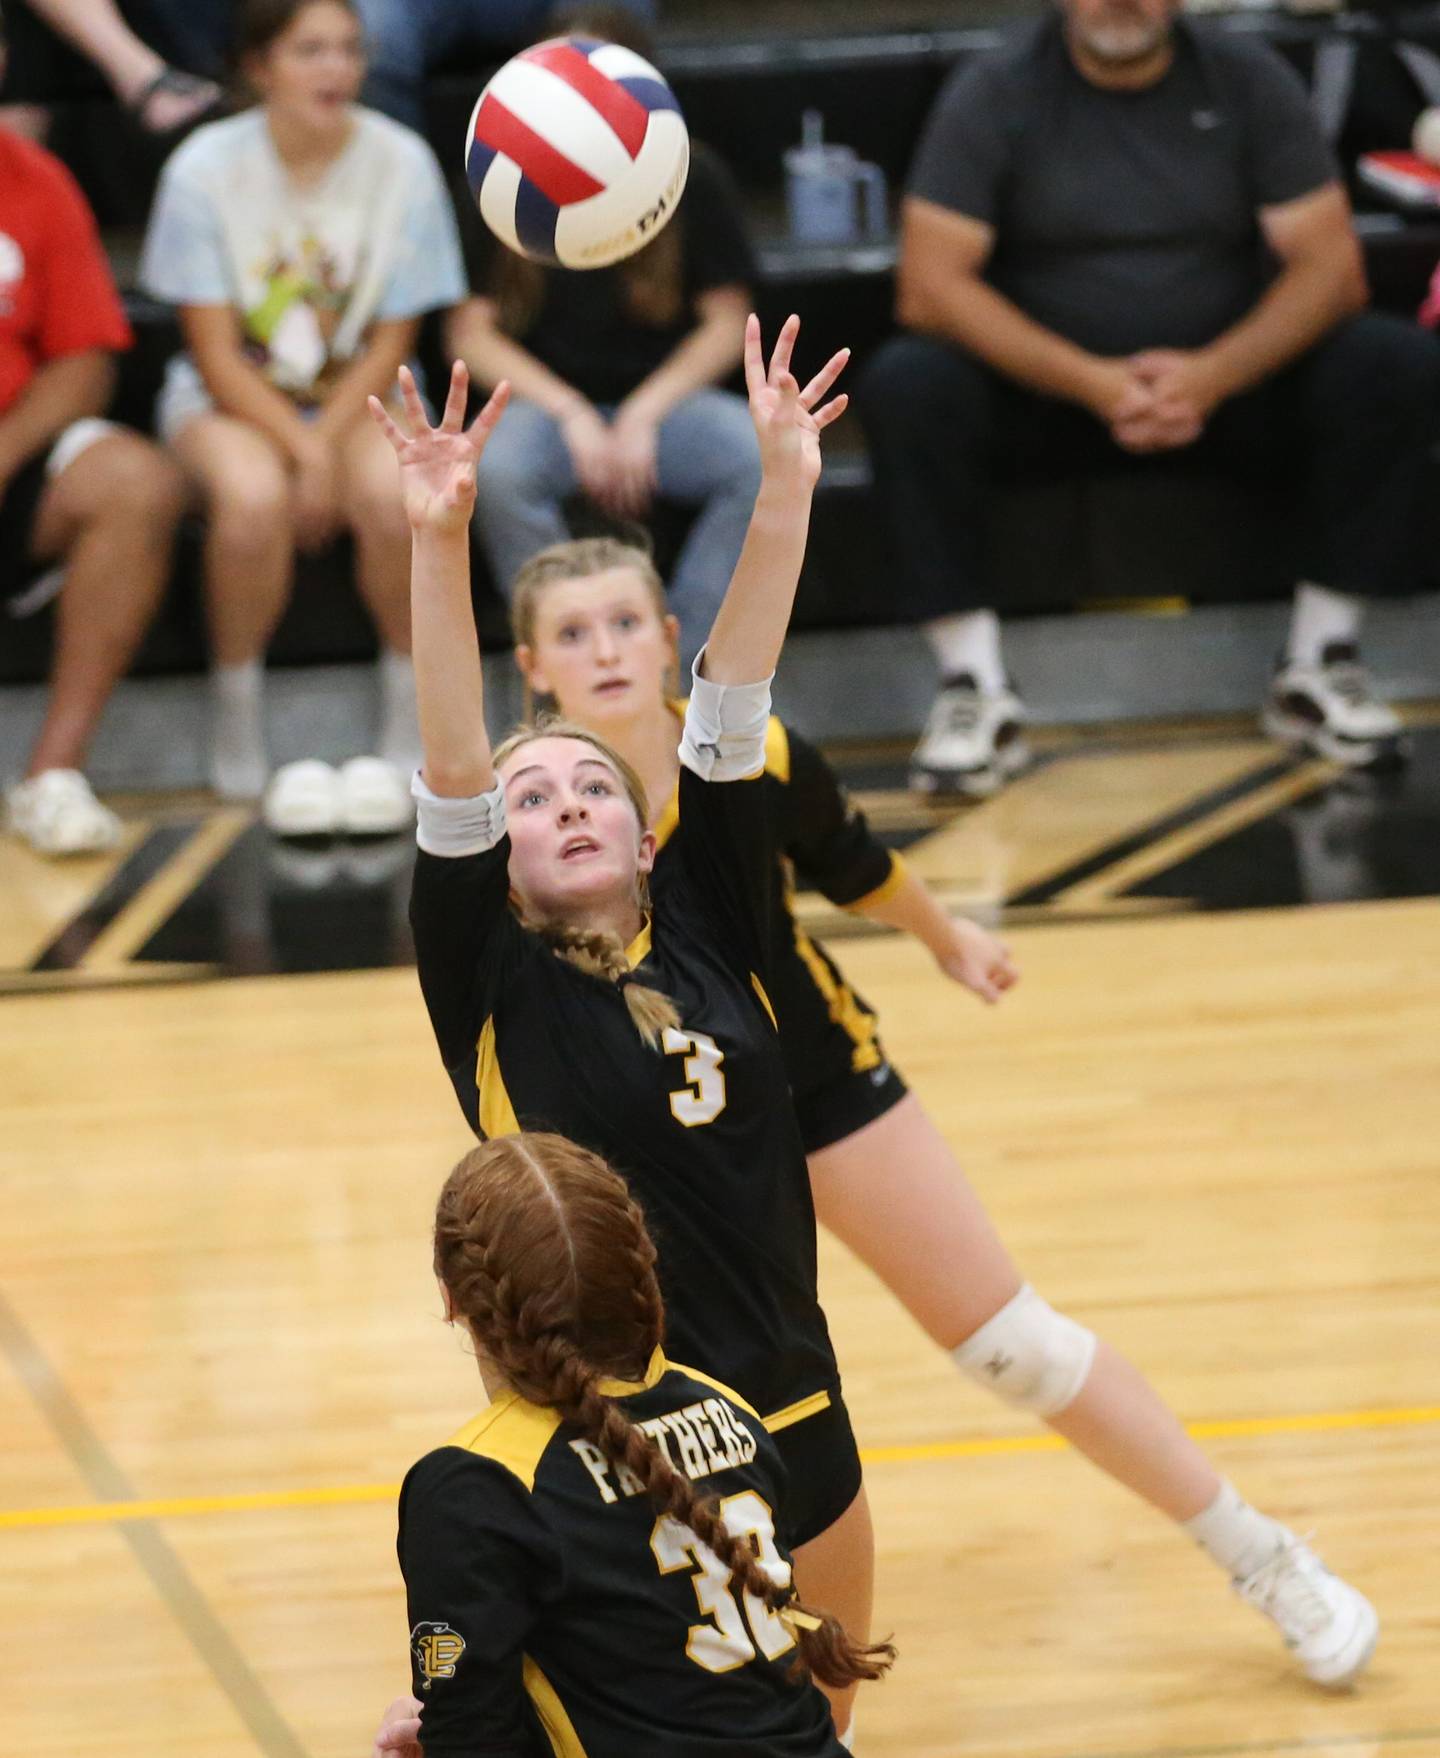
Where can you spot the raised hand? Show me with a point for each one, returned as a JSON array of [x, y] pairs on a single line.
[[437, 464], [789, 421]]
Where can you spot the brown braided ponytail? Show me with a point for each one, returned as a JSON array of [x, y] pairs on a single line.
[[545, 1255], [595, 950]]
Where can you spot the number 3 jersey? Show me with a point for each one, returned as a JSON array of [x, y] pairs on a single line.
[[704, 1128], [552, 1609]]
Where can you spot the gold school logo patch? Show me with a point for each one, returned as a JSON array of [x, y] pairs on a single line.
[[437, 1649]]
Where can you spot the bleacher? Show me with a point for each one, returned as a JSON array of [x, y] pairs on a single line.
[[744, 87]]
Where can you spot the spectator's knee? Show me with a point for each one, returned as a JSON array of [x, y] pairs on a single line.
[[910, 373], [140, 484], [253, 506], [1392, 362]]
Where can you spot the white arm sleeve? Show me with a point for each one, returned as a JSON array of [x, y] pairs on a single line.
[[725, 724], [452, 828]]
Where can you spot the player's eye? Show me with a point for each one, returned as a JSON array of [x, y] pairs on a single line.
[[531, 797], [571, 632], [597, 787], [627, 622]]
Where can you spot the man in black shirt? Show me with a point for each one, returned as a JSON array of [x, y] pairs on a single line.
[[1125, 240]]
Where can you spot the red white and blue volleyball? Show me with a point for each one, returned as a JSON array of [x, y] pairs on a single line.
[[577, 153]]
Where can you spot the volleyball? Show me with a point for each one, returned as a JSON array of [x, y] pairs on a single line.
[[577, 153]]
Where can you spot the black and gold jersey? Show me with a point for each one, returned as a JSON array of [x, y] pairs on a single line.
[[552, 1610], [703, 1129], [828, 1032]]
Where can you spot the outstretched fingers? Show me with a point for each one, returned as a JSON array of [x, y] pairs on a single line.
[[819, 386], [784, 348], [453, 420], [831, 411], [754, 358], [484, 423], [410, 398], [387, 424]]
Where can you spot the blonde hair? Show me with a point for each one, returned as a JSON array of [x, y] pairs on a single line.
[[580, 559], [598, 951]]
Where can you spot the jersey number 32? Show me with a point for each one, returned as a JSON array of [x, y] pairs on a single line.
[[730, 1636]]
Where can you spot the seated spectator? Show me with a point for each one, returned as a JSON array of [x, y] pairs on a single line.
[[87, 510], [153, 54], [302, 241], [614, 375], [1125, 241], [406, 39]]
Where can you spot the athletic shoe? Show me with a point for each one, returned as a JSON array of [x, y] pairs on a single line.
[[974, 741], [374, 798], [1329, 1627], [1331, 709], [303, 799], [57, 814]]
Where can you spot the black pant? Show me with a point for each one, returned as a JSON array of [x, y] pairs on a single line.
[[1349, 424]]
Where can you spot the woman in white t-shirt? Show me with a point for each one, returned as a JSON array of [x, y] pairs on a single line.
[[302, 242]]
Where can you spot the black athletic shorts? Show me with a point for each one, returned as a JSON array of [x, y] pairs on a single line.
[[822, 1465], [18, 566], [851, 1098]]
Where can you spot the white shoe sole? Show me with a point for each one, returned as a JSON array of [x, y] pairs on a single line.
[[1320, 741], [972, 784], [1341, 1673]]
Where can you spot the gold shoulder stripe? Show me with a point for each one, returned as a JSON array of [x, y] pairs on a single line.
[[793, 1413], [559, 1729], [497, 1114], [705, 1379], [639, 947], [655, 1371], [777, 749], [759, 989], [512, 1433]]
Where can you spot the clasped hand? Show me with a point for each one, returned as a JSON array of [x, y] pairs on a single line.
[[1159, 400]]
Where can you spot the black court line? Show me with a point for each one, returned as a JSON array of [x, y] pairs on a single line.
[[152, 1550], [1181, 819], [144, 861], [1301, 1743]]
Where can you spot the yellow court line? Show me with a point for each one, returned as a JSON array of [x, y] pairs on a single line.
[[342, 1495]]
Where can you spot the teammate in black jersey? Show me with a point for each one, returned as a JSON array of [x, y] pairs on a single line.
[[648, 1037], [593, 1566], [593, 637]]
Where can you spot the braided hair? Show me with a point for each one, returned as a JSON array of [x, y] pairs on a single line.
[[599, 951], [545, 1256]]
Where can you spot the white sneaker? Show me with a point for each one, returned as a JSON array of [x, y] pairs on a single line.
[[1331, 709], [974, 741], [57, 814], [1329, 1627], [303, 799], [374, 798]]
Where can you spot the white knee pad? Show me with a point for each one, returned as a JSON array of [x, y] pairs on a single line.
[[1030, 1355]]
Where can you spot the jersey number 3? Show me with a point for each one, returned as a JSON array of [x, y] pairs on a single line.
[[704, 1099], [730, 1637]]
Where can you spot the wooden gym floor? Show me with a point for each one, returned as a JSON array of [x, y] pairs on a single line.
[[1207, 1122]]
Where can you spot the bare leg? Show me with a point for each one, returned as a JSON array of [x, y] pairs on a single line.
[[111, 517], [97, 30], [250, 541], [382, 536], [925, 1233], [836, 1573]]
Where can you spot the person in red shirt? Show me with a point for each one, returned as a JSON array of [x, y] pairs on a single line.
[[88, 511]]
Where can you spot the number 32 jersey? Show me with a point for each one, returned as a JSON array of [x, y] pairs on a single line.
[[553, 1611], [703, 1129]]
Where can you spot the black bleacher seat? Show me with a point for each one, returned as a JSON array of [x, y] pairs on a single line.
[[745, 94]]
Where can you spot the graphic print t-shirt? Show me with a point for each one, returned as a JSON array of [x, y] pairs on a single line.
[[310, 269]]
